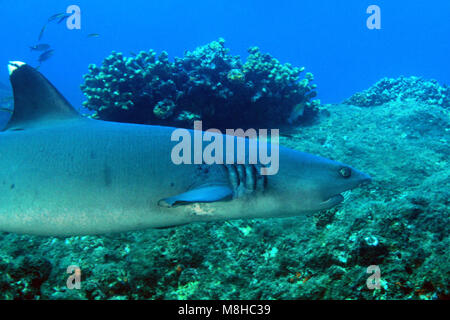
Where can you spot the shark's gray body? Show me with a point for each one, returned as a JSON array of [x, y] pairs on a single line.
[[62, 174]]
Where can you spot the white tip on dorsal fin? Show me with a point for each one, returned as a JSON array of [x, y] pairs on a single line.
[[36, 101], [14, 65]]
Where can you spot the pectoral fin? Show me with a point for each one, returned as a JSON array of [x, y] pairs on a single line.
[[202, 194]]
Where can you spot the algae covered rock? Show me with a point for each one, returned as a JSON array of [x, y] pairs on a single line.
[[208, 84], [164, 109], [130, 89], [402, 89]]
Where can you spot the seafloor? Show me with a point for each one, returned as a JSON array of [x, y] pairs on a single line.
[[400, 223]]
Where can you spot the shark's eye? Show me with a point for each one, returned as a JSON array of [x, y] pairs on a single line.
[[345, 172]]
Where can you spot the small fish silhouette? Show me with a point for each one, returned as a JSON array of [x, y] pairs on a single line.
[[40, 47], [56, 16], [41, 34], [45, 55], [93, 35], [6, 110], [64, 17]]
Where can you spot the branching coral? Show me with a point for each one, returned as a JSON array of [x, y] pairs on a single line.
[[208, 84]]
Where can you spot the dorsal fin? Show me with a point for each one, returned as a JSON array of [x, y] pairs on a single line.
[[36, 100]]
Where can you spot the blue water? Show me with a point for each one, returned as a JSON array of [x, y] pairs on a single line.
[[398, 134], [329, 38]]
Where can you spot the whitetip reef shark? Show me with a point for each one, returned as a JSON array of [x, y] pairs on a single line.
[[62, 174]]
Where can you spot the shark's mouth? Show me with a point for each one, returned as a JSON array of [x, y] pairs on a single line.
[[333, 200]]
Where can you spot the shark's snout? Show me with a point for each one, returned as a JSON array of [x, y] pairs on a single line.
[[333, 190], [366, 181], [363, 179]]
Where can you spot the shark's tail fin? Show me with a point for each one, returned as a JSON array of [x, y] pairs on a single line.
[[36, 100]]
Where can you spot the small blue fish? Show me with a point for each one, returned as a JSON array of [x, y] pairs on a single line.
[[41, 34], [40, 47], [64, 17], [6, 110], [56, 16], [93, 35], [45, 55]]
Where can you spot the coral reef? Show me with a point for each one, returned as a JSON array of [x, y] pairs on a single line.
[[208, 84], [399, 223], [6, 104], [401, 89]]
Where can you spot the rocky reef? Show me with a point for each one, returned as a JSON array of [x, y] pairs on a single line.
[[208, 84], [402, 89], [6, 104], [399, 223]]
